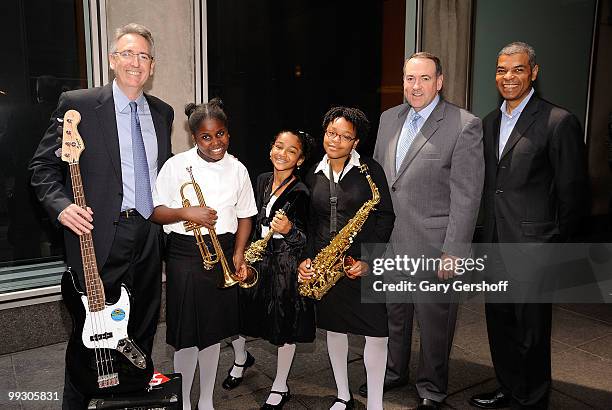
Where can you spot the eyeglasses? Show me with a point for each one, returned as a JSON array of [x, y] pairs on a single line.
[[129, 55], [334, 135]]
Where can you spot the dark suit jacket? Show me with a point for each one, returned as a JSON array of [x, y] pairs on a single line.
[[538, 190], [100, 164]]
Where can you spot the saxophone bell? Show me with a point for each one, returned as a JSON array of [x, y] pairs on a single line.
[[347, 263]]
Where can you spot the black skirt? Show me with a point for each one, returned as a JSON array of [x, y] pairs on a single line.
[[198, 312], [341, 310], [273, 309]]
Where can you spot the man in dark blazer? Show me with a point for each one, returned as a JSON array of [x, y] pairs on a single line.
[[536, 190], [127, 245], [436, 182]]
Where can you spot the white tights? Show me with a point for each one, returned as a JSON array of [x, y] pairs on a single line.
[[375, 360], [185, 361], [283, 366]]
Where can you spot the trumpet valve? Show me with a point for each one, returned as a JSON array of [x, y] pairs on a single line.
[[190, 226]]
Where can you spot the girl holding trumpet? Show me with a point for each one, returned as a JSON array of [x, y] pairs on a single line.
[[273, 309], [199, 313]]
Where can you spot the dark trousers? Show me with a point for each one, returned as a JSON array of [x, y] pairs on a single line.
[[519, 338], [134, 260], [437, 327]]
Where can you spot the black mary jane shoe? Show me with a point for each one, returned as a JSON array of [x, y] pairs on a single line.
[[232, 382], [348, 404], [285, 396]]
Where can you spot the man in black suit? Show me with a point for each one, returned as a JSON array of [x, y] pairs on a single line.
[[536, 188], [118, 168]]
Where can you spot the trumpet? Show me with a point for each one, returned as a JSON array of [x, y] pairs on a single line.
[[255, 251], [209, 259]]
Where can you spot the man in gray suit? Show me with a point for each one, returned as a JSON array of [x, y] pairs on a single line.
[[432, 154]]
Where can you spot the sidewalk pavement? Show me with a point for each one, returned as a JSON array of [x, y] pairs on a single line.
[[581, 363]]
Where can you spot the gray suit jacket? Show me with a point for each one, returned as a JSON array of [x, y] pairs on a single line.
[[436, 192]]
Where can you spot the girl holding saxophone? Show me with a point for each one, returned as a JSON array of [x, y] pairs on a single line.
[[273, 309], [338, 196], [199, 313]]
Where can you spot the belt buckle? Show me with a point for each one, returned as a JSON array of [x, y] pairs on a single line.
[[128, 213]]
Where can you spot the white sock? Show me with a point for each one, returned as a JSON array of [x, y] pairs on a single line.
[[185, 362], [240, 356], [283, 366], [208, 359], [375, 360], [337, 348]]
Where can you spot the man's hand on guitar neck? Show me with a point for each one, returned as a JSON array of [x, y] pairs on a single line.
[[77, 219]]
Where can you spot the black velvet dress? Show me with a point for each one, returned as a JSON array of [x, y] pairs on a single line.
[[341, 310], [273, 309]]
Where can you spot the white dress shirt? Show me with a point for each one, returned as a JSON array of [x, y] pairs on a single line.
[[225, 185]]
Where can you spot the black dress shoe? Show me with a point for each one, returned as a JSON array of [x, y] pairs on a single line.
[[348, 404], [285, 396], [428, 404], [492, 400], [363, 389], [232, 382]]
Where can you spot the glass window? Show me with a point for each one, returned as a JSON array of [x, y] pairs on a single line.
[[284, 64], [45, 57]]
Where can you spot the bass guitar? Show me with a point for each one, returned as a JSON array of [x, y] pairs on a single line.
[[101, 358]]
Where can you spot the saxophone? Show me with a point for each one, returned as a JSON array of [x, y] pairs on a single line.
[[331, 264], [255, 251]]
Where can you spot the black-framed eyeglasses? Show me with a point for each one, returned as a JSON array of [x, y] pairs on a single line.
[[334, 135], [129, 55]]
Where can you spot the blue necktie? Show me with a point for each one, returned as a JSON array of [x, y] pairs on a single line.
[[407, 136], [143, 197]]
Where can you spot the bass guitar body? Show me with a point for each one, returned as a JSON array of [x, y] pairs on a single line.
[[101, 358]]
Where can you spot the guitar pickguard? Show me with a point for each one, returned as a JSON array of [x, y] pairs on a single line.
[[107, 329]]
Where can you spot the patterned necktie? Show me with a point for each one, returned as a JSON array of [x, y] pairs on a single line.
[[143, 197], [409, 132]]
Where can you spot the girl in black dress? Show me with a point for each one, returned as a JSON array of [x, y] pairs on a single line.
[[273, 309], [340, 311], [199, 313]]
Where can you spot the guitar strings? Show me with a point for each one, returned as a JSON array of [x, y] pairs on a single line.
[[104, 365]]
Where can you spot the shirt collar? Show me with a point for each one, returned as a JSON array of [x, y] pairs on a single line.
[[199, 162], [426, 112], [324, 167], [122, 102], [518, 110]]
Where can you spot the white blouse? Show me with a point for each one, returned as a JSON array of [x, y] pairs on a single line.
[[266, 228], [225, 185]]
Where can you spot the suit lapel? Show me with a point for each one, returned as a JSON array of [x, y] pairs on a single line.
[[108, 124], [427, 130], [494, 135], [527, 118], [160, 131]]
